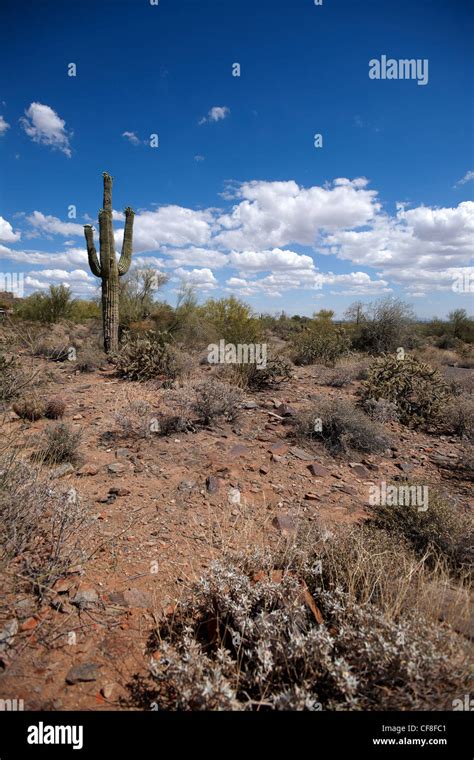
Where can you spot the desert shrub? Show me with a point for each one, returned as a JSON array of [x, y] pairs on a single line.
[[52, 306], [460, 381], [457, 417], [232, 320], [58, 443], [443, 529], [137, 293], [338, 378], [382, 326], [215, 399], [91, 360], [380, 410], [341, 427], [55, 353], [135, 418], [249, 637], [321, 342], [54, 408], [39, 526], [148, 357], [277, 370], [417, 389], [30, 408], [13, 380]]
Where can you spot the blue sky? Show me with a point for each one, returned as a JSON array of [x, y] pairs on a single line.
[[237, 198]]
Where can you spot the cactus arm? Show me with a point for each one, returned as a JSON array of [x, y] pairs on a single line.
[[126, 255], [104, 243], [91, 251], [107, 191]]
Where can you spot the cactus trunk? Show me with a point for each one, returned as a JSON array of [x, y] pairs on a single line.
[[108, 269]]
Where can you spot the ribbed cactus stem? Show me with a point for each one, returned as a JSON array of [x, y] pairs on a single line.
[[108, 269]]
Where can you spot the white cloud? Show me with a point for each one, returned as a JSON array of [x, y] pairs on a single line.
[[3, 125], [192, 256], [199, 278], [274, 214], [6, 232], [71, 257], [53, 225], [44, 126], [131, 137], [216, 113], [199, 158], [276, 259], [169, 225], [468, 177]]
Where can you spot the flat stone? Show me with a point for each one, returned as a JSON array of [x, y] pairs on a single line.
[[61, 471], [249, 405], [233, 496], [264, 470], [212, 484], [280, 448], [284, 410], [318, 470], [239, 450], [88, 671], [285, 524], [116, 468], [359, 470], [312, 497], [88, 469], [406, 467], [123, 453], [85, 596], [8, 633], [136, 598], [301, 454], [119, 491], [187, 485]]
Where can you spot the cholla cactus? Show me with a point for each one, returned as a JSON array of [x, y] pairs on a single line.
[[417, 389], [109, 270]]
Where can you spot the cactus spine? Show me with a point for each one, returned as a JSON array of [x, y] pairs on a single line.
[[108, 269]]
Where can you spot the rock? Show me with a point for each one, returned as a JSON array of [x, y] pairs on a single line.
[[119, 491], [187, 485], [312, 497], [285, 524], [359, 470], [61, 471], [212, 484], [86, 596], [63, 585], [29, 624], [280, 449], [276, 458], [318, 470], [347, 489], [116, 468], [233, 496], [117, 597], [88, 671], [249, 405], [7, 634], [107, 690], [238, 450], [285, 410], [264, 470], [77, 417], [301, 454], [406, 467], [136, 598], [123, 454], [88, 469]]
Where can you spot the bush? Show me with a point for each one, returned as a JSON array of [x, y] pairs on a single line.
[[54, 408], [59, 443], [253, 635], [215, 399], [91, 360], [277, 370], [148, 357], [29, 409], [380, 410], [381, 327], [458, 417], [321, 342], [232, 320], [341, 427], [135, 419], [53, 306], [443, 529], [417, 389], [13, 380], [39, 526]]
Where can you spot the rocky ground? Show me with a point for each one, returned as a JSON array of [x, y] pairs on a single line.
[[161, 509]]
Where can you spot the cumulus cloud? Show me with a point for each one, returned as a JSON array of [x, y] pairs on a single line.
[[53, 225], [7, 235], [199, 278], [216, 113], [274, 214], [45, 127], [3, 126], [131, 137], [170, 225]]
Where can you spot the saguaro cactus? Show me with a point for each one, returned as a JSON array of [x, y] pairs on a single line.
[[108, 269]]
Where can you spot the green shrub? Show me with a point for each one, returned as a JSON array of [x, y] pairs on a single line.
[[417, 389], [382, 326], [232, 320], [52, 306], [321, 342]]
